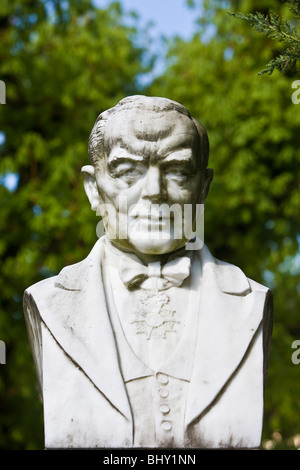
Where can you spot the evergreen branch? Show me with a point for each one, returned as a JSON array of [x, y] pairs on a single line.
[[281, 63], [273, 27], [294, 6]]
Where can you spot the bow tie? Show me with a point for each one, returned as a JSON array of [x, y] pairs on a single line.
[[154, 276]]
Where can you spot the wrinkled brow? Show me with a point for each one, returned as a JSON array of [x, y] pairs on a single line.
[[178, 160], [115, 160]]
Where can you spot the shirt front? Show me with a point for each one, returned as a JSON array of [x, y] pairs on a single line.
[[156, 367]]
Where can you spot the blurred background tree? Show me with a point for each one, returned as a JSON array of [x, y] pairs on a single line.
[[65, 62]]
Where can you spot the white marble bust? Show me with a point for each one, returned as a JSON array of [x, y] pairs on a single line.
[[150, 341]]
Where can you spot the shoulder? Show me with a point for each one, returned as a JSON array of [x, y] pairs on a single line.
[[230, 278], [41, 287], [257, 286], [70, 278]]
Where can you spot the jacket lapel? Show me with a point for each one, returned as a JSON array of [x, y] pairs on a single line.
[[227, 324], [80, 323]]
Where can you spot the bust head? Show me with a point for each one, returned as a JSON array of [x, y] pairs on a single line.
[[149, 169]]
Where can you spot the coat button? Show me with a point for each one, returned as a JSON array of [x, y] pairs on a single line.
[[163, 392], [162, 378], [166, 425], [164, 409]]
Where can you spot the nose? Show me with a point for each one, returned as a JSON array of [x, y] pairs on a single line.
[[153, 188]]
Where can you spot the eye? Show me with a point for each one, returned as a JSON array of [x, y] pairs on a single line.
[[127, 171], [177, 174]]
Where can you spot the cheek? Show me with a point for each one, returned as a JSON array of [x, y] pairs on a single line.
[[182, 194], [108, 190], [117, 192], [133, 192]]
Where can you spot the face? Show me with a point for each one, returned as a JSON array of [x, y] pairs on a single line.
[[150, 180]]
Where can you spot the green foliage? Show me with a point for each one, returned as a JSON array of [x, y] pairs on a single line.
[[252, 210], [62, 63], [279, 29]]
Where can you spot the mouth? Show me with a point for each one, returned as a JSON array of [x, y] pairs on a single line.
[[151, 216], [154, 221]]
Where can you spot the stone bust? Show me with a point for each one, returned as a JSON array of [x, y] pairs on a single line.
[[150, 341]]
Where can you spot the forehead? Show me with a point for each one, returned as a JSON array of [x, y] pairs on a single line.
[[145, 131]]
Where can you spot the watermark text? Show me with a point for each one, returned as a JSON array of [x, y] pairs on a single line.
[[153, 222], [2, 92], [296, 354], [2, 352], [296, 94]]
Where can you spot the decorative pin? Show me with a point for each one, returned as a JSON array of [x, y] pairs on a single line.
[[154, 317]]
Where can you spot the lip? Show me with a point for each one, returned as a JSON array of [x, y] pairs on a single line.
[[142, 211], [150, 218], [152, 215]]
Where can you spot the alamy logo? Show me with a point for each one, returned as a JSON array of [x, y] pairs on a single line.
[[2, 92], [2, 352], [296, 354], [295, 95], [154, 222]]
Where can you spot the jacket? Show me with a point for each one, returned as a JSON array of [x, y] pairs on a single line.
[[75, 354]]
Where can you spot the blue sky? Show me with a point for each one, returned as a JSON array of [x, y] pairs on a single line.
[[171, 17]]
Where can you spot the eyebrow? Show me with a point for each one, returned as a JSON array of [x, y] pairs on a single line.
[[175, 156], [179, 157]]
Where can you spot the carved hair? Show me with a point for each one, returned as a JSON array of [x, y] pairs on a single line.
[[96, 141]]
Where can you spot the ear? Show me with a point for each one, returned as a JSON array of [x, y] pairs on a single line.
[[90, 186], [208, 177]]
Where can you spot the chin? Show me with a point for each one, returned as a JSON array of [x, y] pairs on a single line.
[[155, 247]]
